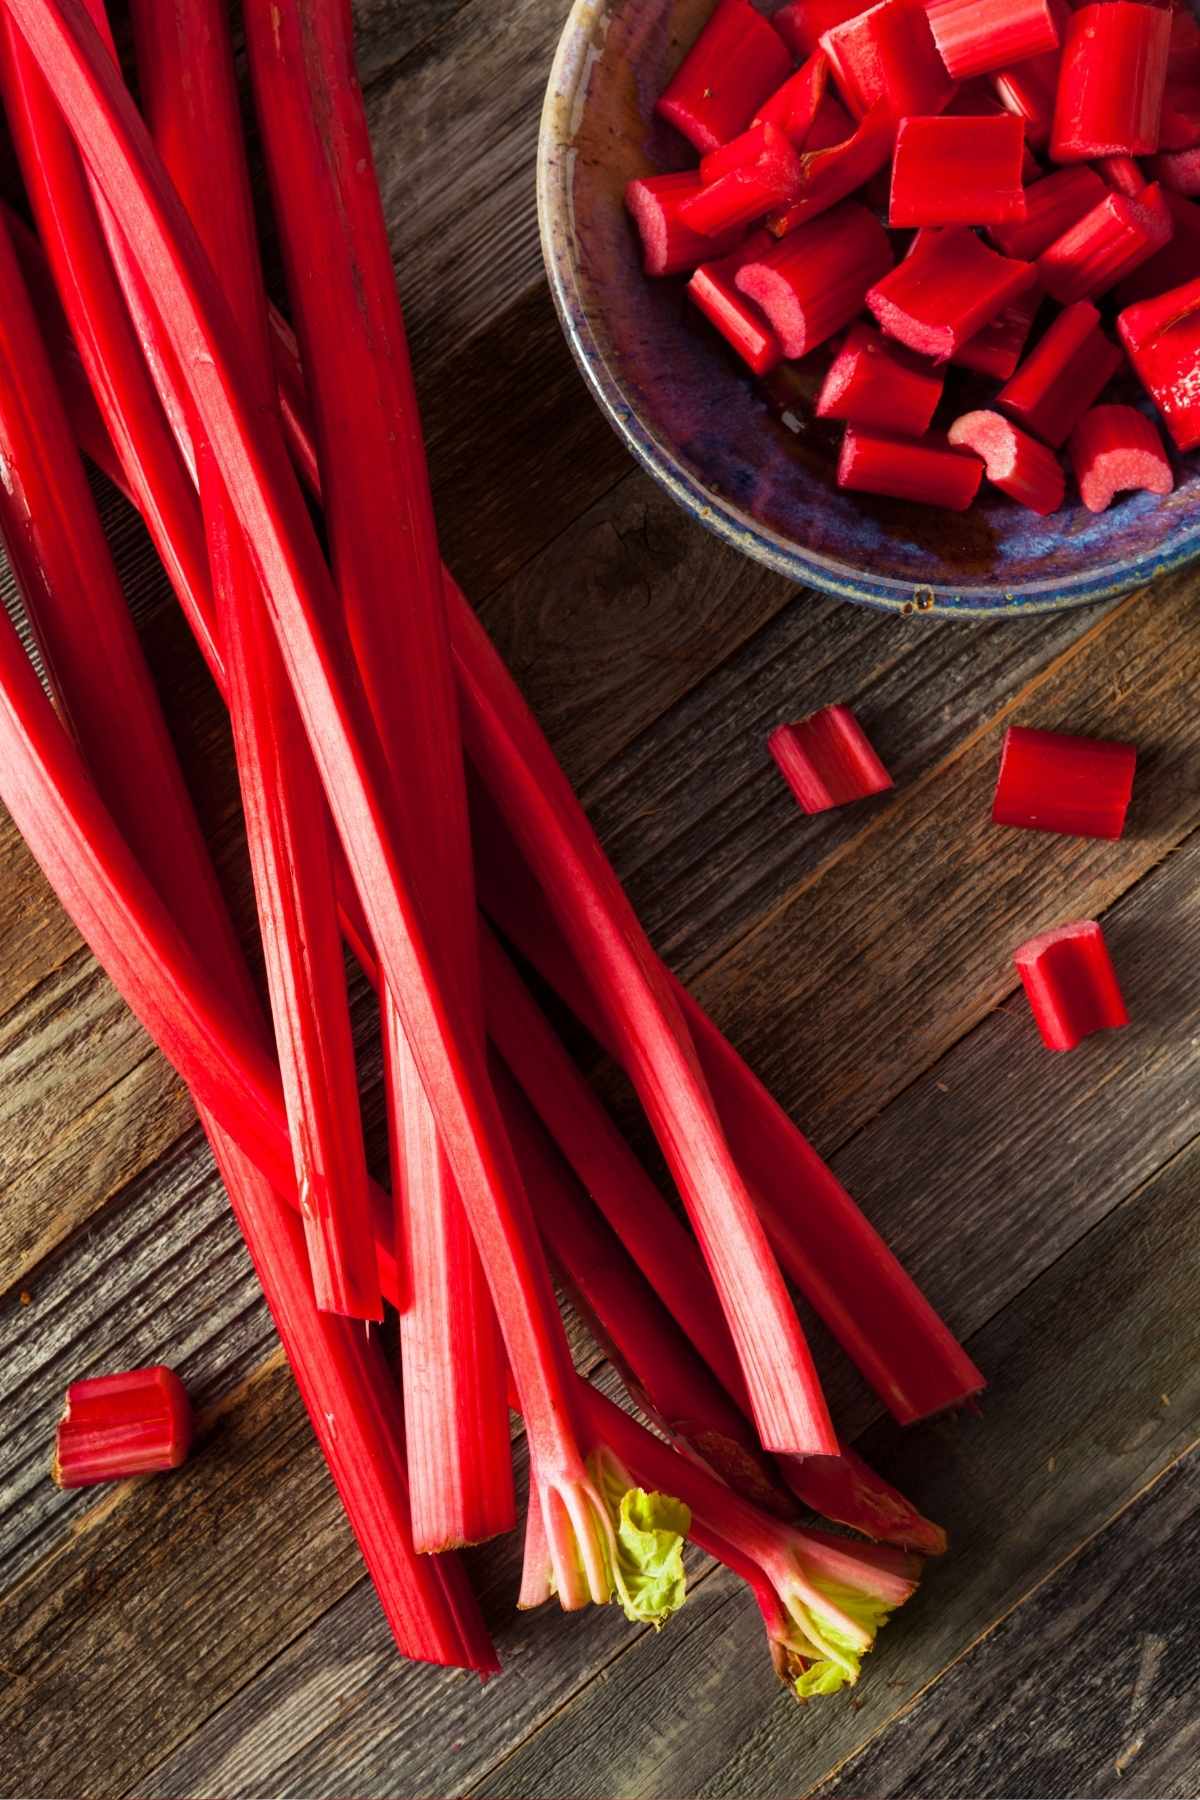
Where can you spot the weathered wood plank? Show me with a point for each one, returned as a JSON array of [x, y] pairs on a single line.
[[1073, 1427], [1089, 1687]]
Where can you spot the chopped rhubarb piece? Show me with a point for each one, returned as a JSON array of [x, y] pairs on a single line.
[[1061, 376], [957, 171], [1107, 244], [829, 175], [948, 288], [1015, 462], [1122, 173], [979, 100], [738, 320], [1071, 983], [115, 1426], [812, 283], [735, 64], [669, 246], [930, 470], [1162, 337], [1114, 449], [831, 125], [974, 37], [1179, 126], [1029, 88], [1178, 170], [1052, 206], [888, 55], [876, 383], [743, 149], [803, 23], [1051, 781], [793, 107], [1175, 264], [827, 760], [996, 350], [766, 178], [1111, 81]]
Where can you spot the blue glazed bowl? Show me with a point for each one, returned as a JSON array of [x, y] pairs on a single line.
[[754, 467]]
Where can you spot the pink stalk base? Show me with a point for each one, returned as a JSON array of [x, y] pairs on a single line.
[[827, 760], [1071, 983], [1051, 781], [1114, 449], [1015, 462], [115, 1426]]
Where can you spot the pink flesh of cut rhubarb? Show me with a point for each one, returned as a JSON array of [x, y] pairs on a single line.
[[1015, 462]]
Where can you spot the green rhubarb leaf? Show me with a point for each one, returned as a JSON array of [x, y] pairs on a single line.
[[835, 1658], [649, 1529]]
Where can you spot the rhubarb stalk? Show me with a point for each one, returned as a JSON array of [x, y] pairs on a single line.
[[113, 1426], [1072, 986]]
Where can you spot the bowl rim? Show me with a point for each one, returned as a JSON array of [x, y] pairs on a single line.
[[579, 46]]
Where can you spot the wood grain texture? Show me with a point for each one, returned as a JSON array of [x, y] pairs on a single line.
[[1089, 1687]]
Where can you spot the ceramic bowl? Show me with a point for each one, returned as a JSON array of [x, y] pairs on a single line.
[[756, 468]]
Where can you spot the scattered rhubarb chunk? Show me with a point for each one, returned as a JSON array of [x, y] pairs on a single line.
[[974, 37], [813, 282], [738, 320], [879, 384], [1162, 337], [948, 288], [1061, 376], [929, 470], [669, 246], [957, 171], [1051, 781], [735, 64], [765, 178], [1071, 983], [887, 54], [1052, 206], [830, 174], [115, 1426], [1106, 245], [827, 760], [1015, 462], [1111, 82], [996, 350], [1114, 449]]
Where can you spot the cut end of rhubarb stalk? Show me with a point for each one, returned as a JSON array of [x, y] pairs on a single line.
[[1071, 983], [1051, 781], [1015, 462], [117, 1426], [1115, 449], [827, 760]]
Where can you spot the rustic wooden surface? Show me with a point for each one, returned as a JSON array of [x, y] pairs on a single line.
[[212, 1634]]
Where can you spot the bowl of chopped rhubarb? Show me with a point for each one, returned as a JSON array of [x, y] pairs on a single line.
[[904, 302]]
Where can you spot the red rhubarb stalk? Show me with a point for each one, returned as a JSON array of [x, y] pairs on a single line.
[[832, 125], [669, 245], [1162, 337], [957, 171], [1015, 462], [1114, 449], [794, 106], [887, 55], [1106, 245], [803, 23], [828, 760], [876, 383], [812, 283], [736, 63], [947, 289], [974, 37], [930, 470], [712, 289], [115, 1426], [1051, 781], [1029, 89], [1052, 206], [189, 95], [1071, 983], [997, 349], [1111, 81], [830, 172], [1061, 376], [383, 541], [763, 179], [303, 607]]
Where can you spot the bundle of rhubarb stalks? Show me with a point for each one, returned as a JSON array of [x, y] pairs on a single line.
[[400, 800], [844, 204]]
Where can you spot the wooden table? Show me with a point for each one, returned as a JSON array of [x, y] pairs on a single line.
[[212, 1634]]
